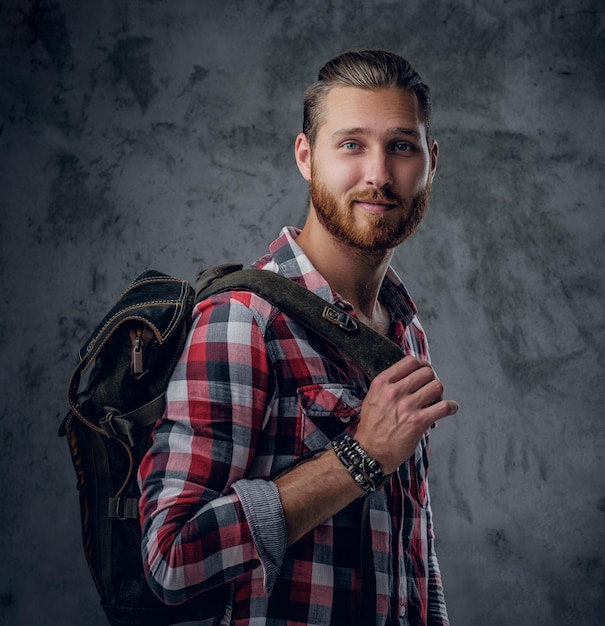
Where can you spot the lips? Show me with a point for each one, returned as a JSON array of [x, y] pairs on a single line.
[[375, 206]]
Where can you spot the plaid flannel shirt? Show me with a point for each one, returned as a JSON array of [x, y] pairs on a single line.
[[253, 392]]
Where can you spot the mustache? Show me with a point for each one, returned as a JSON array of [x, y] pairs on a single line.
[[377, 195]]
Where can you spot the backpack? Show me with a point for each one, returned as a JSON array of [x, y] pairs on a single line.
[[128, 361]]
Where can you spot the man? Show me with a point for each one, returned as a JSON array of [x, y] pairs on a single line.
[[224, 498]]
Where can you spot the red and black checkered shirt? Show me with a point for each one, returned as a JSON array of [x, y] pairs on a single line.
[[253, 392]]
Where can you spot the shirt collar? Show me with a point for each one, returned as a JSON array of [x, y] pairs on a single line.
[[287, 258]]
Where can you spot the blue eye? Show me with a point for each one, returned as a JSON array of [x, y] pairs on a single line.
[[350, 145], [402, 147]]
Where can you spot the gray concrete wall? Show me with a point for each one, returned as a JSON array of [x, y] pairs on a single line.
[[159, 133]]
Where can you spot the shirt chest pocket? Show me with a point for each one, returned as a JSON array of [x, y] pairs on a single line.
[[326, 410]]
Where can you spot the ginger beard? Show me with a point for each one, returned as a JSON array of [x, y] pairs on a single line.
[[381, 232]]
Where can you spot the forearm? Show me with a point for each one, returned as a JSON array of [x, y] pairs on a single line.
[[313, 492]]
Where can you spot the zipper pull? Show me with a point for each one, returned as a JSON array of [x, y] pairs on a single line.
[[136, 360]]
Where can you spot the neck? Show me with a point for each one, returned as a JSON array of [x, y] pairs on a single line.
[[355, 274]]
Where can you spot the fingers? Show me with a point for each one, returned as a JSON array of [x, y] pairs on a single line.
[[407, 376], [439, 410], [402, 403], [409, 391], [403, 368]]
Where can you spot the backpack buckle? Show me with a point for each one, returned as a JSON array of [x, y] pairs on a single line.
[[123, 508], [340, 318]]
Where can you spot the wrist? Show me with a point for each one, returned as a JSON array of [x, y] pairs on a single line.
[[364, 470]]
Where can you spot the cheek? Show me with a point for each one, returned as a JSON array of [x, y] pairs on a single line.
[[342, 179], [411, 180]]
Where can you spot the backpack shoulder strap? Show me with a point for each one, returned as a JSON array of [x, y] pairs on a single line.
[[369, 349]]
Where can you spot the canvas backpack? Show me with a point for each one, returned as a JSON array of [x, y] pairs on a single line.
[[116, 394]]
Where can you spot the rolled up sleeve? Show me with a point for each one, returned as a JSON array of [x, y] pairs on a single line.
[[267, 525]]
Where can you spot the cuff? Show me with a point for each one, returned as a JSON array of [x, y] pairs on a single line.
[[264, 514]]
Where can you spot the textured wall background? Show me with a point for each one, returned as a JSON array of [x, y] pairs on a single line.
[[158, 133]]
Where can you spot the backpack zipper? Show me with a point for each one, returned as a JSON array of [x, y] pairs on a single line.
[[137, 361]]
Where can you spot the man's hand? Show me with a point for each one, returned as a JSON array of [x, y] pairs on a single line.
[[401, 404]]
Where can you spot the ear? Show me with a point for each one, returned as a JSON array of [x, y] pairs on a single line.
[[302, 152], [434, 154]]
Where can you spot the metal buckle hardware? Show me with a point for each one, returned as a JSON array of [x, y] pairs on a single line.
[[340, 318]]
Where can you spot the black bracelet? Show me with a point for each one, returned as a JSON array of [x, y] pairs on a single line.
[[365, 470]]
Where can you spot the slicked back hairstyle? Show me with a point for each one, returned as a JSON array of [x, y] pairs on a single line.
[[368, 69]]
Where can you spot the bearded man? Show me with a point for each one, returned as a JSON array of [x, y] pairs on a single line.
[[224, 500]]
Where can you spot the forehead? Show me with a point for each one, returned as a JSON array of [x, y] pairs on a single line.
[[375, 110]]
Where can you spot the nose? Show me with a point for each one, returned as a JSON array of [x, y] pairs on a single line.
[[378, 172]]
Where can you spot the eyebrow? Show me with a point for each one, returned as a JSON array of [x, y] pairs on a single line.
[[358, 130]]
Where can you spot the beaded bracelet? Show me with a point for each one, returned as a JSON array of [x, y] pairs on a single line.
[[365, 470]]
